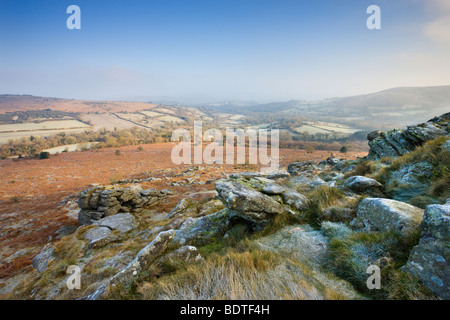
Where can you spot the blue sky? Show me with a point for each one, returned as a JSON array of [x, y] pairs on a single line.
[[221, 49]]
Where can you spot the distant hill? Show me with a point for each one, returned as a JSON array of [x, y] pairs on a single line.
[[385, 109], [13, 103]]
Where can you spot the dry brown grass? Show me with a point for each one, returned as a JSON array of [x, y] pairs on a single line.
[[252, 274]]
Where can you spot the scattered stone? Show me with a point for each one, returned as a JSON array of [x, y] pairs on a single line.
[[307, 181], [378, 214], [361, 184]]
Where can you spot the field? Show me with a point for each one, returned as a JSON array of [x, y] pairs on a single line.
[[37, 197], [325, 128], [41, 129]]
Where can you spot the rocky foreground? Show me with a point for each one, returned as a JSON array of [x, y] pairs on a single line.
[[309, 231]]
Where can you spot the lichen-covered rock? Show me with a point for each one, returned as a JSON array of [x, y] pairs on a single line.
[[337, 214], [100, 202], [295, 200], [248, 203], [186, 207], [186, 254], [123, 222], [279, 175], [395, 143], [307, 181], [446, 146], [302, 168], [378, 214], [99, 237], [211, 207], [201, 231], [410, 181], [40, 262], [247, 175], [144, 258], [361, 184], [429, 260], [272, 189]]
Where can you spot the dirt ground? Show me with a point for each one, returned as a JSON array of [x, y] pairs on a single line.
[[34, 194]]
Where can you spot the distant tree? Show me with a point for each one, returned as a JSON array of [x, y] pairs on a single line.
[[44, 155], [343, 150]]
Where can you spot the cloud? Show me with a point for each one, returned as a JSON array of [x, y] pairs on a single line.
[[439, 29]]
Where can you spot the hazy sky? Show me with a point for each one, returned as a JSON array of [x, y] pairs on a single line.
[[221, 49]]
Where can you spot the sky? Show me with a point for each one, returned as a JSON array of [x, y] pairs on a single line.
[[263, 50]]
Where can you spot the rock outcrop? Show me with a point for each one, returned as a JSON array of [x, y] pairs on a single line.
[[396, 143], [429, 260], [248, 203], [100, 202], [144, 258]]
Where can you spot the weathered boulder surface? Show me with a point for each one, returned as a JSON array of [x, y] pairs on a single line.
[[307, 181], [248, 203], [395, 143], [429, 260], [296, 200], [40, 262], [123, 222], [361, 184], [378, 214], [144, 258], [201, 231], [211, 207], [300, 241], [410, 181], [306, 167], [186, 207], [99, 202], [446, 146], [103, 234], [272, 189], [99, 237], [187, 254]]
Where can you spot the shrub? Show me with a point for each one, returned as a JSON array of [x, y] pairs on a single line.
[[44, 155], [343, 150]]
